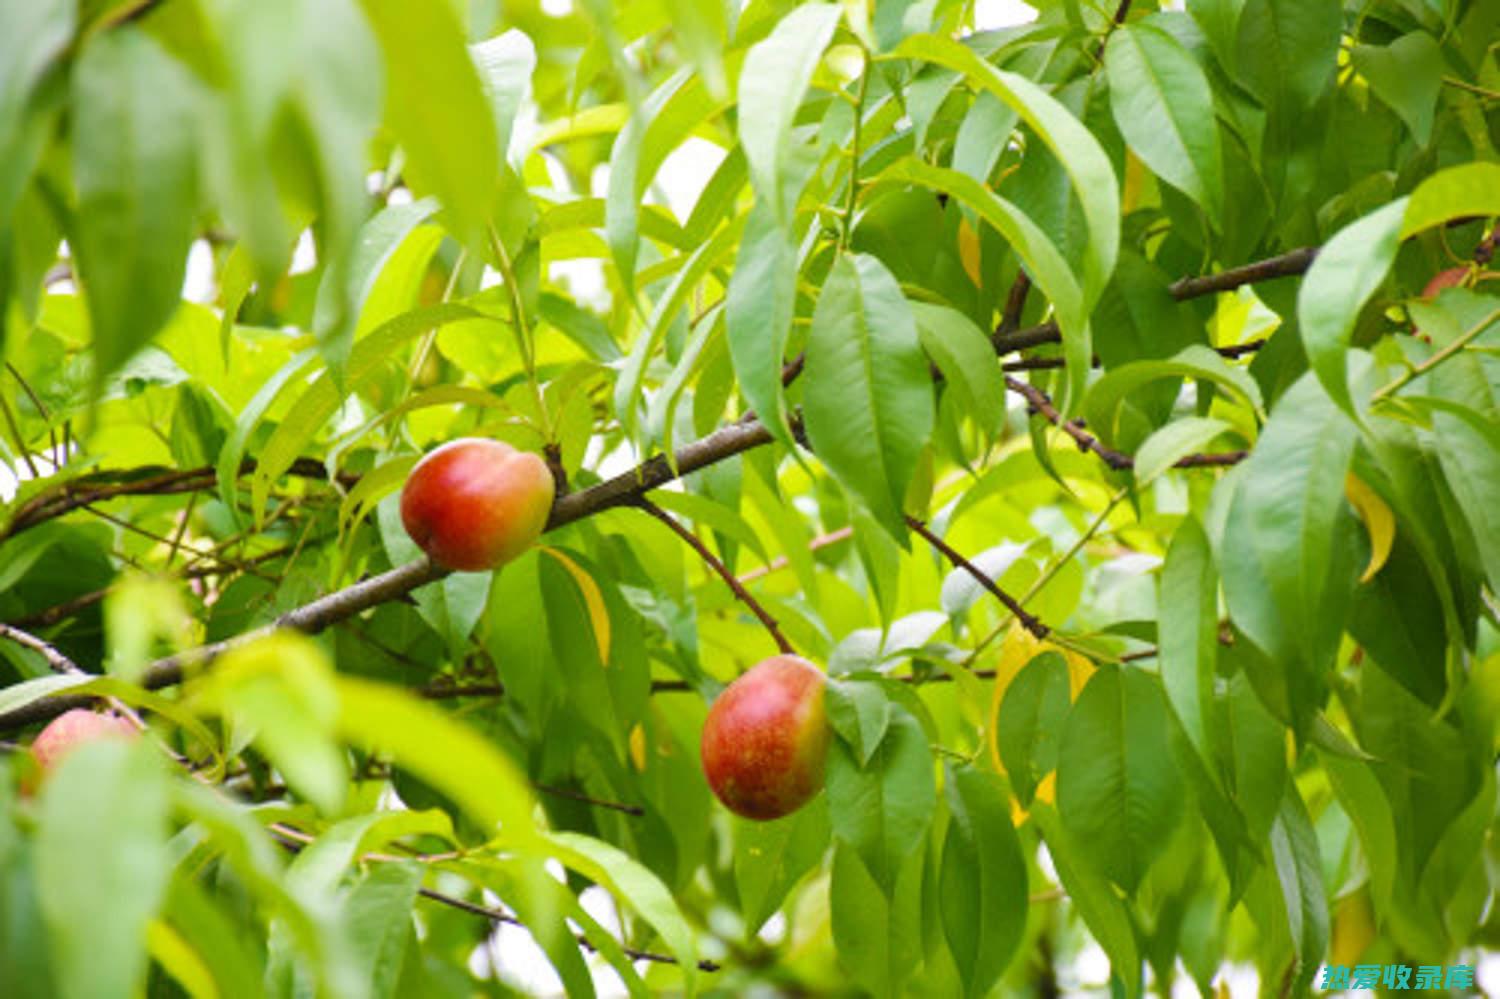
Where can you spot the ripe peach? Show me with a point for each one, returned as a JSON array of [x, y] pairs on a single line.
[[475, 503], [766, 739], [72, 729]]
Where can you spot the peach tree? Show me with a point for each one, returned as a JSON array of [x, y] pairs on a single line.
[[1108, 405]]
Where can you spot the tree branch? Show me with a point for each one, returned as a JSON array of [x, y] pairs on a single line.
[[1028, 620], [87, 489], [735, 438], [716, 564], [1288, 264], [311, 618]]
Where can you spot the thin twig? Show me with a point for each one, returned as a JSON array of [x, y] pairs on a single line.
[[52, 615], [1121, 12], [58, 662], [1086, 441], [1028, 620], [15, 433], [569, 793], [781, 561], [501, 916], [1458, 344], [295, 840], [57, 456], [1052, 570], [1487, 94], [713, 562], [443, 692], [181, 532]]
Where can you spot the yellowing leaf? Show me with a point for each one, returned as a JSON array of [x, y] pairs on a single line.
[[180, 960], [1135, 182], [1353, 929], [1378, 520], [968, 251], [593, 598], [1019, 648], [638, 748]]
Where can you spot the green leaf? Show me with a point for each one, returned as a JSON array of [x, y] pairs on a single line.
[[1458, 191], [771, 857], [232, 456], [981, 136], [1408, 75], [1360, 793], [860, 713], [280, 690], [1117, 786], [440, 750], [321, 400], [1172, 443], [627, 179], [773, 82], [505, 64], [1288, 50], [1347, 271], [1105, 405], [579, 325], [707, 513], [1030, 722], [623, 875], [1468, 445], [1252, 752], [1427, 772], [102, 865], [1289, 551], [876, 931], [758, 310], [1189, 633], [1103, 911], [343, 291], [205, 927], [1089, 168], [438, 109], [883, 808], [1299, 870], [378, 913], [868, 395], [628, 387], [231, 832], [982, 886], [544, 905], [1044, 260], [32, 35], [1162, 102], [700, 29], [135, 168], [963, 353], [961, 590]]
